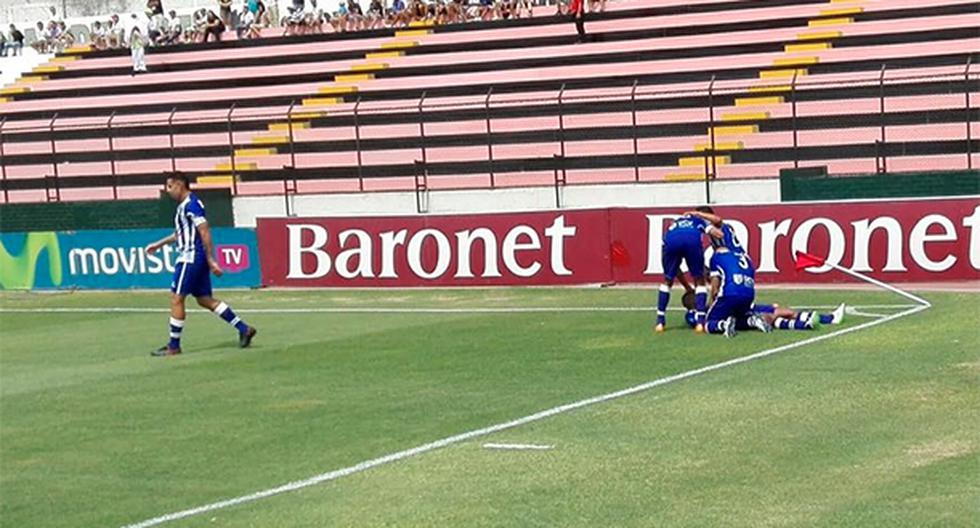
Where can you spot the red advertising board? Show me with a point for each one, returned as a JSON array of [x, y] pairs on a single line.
[[916, 240]]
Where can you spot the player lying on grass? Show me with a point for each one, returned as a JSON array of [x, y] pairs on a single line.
[[780, 317], [684, 242], [195, 262]]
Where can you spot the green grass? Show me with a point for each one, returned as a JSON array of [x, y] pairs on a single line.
[[874, 428]]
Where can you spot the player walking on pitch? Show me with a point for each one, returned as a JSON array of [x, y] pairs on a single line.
[[195, 262]]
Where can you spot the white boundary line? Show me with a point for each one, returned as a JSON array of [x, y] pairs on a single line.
[[438, 444], [391, 310]]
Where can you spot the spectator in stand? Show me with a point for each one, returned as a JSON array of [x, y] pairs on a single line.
[[15, 42], [115, 32], [55, 19], [313, 18], [157, 30], [137, 45], [294, 22], [375, 16], [98, 35], [174, 29], [263, 19], [52, 36], [523, 6], [245, 20], [40, 45], [600, 3], [418, 11], [355, 17], [485, 11], [577, 11], [66, 38], [225, 10], [397, 13], [154, 8], [340, 18], [213, 27]]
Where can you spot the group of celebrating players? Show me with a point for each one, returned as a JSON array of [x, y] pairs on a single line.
[[731, 306]]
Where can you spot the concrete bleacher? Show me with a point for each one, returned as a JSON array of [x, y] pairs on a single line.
[[817, 68]]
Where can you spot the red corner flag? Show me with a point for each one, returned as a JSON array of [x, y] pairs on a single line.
[[806, 260]]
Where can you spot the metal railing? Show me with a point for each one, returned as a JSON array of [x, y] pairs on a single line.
[[495, 110]]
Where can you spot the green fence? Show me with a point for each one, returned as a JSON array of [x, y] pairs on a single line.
[[814, 184]]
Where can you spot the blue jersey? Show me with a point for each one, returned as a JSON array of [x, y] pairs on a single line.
[[687, 227], [190, 214], [728, 240], [735, 272]]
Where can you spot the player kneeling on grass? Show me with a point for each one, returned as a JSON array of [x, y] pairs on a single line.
[[733, 294], [195, 262]]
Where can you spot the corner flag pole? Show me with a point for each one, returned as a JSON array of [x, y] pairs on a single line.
[[806, 260]]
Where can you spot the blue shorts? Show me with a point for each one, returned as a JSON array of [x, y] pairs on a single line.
[[686, 249], [192, 278], [738, 307], [765, 308]]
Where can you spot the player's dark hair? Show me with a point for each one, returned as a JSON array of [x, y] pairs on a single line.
[[704, 209], [181, 177]]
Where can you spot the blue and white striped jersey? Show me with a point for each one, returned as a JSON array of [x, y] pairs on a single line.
[[190, 214]]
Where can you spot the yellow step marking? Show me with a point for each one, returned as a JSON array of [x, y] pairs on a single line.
[[31, 79], [4, 100], [384, 55], [732, 145], [795, 61], [814, 46], [819, 35], [684, 176], [255, 152], [66, 58], [353, 77], [295, 116], [830, 22], [412, 32], [778, 74], [335, 90], [399, 44], [319, 101], [13, 90], [238, 166], [736, 130], [370, 66], [420, 23], [219, 180], [698, 161], [270, 140], [79, 48], [770, 88], [48, 69], [745, 116], [284, 127], [749, 101], [842, 11]]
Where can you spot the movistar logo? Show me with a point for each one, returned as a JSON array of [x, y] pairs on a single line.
[[19, 271]]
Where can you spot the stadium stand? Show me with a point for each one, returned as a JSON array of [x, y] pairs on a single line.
[[671, 91]]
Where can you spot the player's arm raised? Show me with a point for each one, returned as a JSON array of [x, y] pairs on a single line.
[[205, 232], [152, 248]]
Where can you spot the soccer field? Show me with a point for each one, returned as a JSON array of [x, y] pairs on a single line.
[[874, 427]]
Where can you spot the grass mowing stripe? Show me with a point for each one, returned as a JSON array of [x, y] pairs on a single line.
[[438, 444]]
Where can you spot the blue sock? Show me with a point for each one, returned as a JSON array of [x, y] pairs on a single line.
[[663, 299], [716, 327], [826, 319], [176, 327], [700, 302], [225, 312], [791, 324]]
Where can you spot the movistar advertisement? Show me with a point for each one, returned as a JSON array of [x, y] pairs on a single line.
[[116, 259]]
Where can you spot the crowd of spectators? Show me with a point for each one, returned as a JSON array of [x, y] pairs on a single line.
[[159, 28]]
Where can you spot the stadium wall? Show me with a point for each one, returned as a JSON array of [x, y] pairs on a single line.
[[109, 214], [249, 208], [915, 240], [801, 185]]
